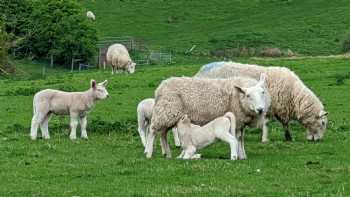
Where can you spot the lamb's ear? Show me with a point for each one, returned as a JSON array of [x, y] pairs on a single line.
[[104, 83], [240, 90], [322, 114], [93, 84]]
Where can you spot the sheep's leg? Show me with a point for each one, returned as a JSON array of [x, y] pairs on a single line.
[[176, 137], [265, 131], [83, 123], [243, 146], [149, 142], [36, 121], [112, 70], [44, 126], [241, 151], [287, 134], [73, 124], [196, 156], [232, 141], [165, 144]]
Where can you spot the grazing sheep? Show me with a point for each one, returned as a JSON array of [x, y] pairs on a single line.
[[195, 138], [204, 100], [118, 56], [144, 116], [75, 104], [90, 15], [290, 98]]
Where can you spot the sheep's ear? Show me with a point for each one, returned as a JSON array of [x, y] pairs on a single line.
[[262, 80], [240, 90], [93, 84], [104, 83], [322, 114]]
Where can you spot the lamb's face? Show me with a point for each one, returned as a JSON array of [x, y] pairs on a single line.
[[131, 67], [183, 123], [255, 99], [318, 127], [99, 90]]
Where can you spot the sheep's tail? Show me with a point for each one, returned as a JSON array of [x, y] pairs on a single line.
[[232, 119]]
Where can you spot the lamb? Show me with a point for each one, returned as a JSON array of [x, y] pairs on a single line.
[[75, 104], [90, 15], [204, 100], [195, 138], [144, 116], [118, 56], [290, 98]]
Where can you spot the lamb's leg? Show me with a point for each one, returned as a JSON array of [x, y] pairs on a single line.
[[36, 121], [73, 124], [196, 156], [232, 141], [176, 137], [241, 151], [149, 142], [189, 152], [165, 143], [142, 128], [181, 155], [112, 70], [83, 123], [287, 134], [44, 126]]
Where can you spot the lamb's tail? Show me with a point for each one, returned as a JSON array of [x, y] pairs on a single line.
[[232, 119]]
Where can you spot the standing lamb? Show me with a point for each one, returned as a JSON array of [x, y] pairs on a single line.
[[118, 56], [90, 15], [144, 116], [75, 104], [290, 98], [204, 100], [195, 138]]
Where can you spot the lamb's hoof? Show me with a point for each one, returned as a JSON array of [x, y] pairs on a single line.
[[84, 137], [33, 137], [72, 138], [234, 158], [264, 141], [46, 137]]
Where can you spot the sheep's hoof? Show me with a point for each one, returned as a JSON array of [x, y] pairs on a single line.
[[73, 138], [46, 137], [85, 137], [264, 141], [33, 137]]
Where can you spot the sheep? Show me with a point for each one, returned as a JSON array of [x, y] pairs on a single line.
[[118, 56], [76, 104], [90, 15], [195, 138], [290, 98], [144, 116], [204, 100]]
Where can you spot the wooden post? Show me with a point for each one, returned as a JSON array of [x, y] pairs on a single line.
[[72, 65]]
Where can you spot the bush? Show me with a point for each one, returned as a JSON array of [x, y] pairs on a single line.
[[60, 29]]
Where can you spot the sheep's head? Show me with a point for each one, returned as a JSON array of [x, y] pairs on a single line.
[[99, 90], [318, 126], [255, 99], [131, 67], [184, 122]]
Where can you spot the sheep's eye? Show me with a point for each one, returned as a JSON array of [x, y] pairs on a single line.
[[263, 92], [323, 123], [248, 96]]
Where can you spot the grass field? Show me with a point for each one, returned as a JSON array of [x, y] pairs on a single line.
[[308, 27], [111, 162]]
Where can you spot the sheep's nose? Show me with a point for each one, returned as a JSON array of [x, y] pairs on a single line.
[[260, 110]]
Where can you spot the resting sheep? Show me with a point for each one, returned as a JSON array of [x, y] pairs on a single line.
[[290, 98], [204, 100], [90, 15], [144, 116], [75, 104], [118, 57], [195, 138]]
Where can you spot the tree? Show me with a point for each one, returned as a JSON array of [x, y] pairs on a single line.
[[4, 61], [60, 29]]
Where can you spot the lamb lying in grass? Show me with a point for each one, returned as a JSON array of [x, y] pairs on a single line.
[[144, 116], [195, 138], [75, 104]]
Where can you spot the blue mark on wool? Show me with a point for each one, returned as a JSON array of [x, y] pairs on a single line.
[[211, 66]]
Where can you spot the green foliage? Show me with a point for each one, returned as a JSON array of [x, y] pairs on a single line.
[[311, 27], [3, 46], [60, 28]]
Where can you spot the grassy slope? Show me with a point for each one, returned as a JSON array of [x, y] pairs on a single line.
[[308, 27], [111, 163]]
